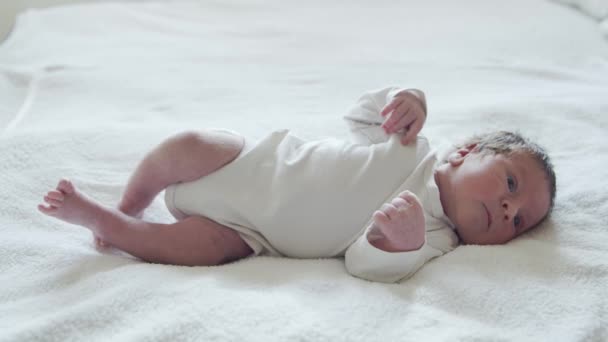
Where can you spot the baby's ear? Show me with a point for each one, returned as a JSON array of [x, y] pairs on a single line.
[[457, 157]]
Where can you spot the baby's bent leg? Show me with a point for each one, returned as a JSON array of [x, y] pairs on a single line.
[[181, 158]]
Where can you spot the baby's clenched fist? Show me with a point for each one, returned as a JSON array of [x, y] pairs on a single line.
[[399, 225]]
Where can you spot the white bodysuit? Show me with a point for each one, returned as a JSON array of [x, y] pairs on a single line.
[[314, 199]]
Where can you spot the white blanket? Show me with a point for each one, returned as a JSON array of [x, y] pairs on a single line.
[[86, 90]]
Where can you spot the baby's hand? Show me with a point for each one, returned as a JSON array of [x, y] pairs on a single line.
[[407, 110], [399, 225]]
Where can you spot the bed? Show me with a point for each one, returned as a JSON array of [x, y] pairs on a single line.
[[87, 89]]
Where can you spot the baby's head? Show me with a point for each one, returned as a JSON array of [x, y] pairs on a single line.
[[495, 187]]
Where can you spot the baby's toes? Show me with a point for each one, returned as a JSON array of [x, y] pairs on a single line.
[[47, 209], [65, 186], [56, 195], [54, 202]]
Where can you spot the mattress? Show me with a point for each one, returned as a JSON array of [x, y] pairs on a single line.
[[87, 90]]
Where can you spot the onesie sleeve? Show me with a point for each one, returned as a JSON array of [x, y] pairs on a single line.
[[364, 119], [365, 261]]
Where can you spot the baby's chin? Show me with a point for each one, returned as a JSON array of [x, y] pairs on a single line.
[[459, 226], [468, 235], [464, 237], [469, 228], [468, 238], [458, 234]]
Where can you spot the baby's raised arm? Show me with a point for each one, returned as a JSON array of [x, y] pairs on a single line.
[[377, 114]]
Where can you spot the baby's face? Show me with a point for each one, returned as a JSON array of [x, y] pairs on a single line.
[[492, 198]]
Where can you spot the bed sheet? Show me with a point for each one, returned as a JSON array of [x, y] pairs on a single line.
[[86, 90]]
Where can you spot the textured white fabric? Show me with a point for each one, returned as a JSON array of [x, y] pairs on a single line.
[[87, 90], [604, 27], [598, 9]]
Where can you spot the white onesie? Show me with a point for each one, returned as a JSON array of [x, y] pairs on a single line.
[[314, 199]]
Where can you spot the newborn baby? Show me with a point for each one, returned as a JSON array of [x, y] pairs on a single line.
[[386, 202]]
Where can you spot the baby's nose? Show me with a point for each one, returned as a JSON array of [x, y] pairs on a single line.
[[509, 210]]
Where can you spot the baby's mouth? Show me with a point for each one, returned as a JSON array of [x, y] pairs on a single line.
[[489, 216]]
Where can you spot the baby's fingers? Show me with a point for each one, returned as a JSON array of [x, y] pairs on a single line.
[[398, 118], [409, 197], [404, 121], [399, 202], [381, 218], [391, 106], [412, 132], [390, 210]]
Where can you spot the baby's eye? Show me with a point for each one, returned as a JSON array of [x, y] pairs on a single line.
[[517, 221], [511, 183]]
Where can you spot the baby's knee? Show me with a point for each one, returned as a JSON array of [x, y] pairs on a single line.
[[220, 145]]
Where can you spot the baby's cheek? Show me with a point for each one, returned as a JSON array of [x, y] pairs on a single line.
[[506, 232], [485, 189], [466, 218]]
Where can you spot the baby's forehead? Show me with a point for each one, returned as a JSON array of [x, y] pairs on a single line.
[[526, 164], [523, 159]]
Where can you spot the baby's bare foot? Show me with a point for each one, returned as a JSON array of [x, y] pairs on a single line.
[[68, 204]]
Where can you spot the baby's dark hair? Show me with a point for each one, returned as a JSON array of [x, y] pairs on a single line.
[[508, 143]]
